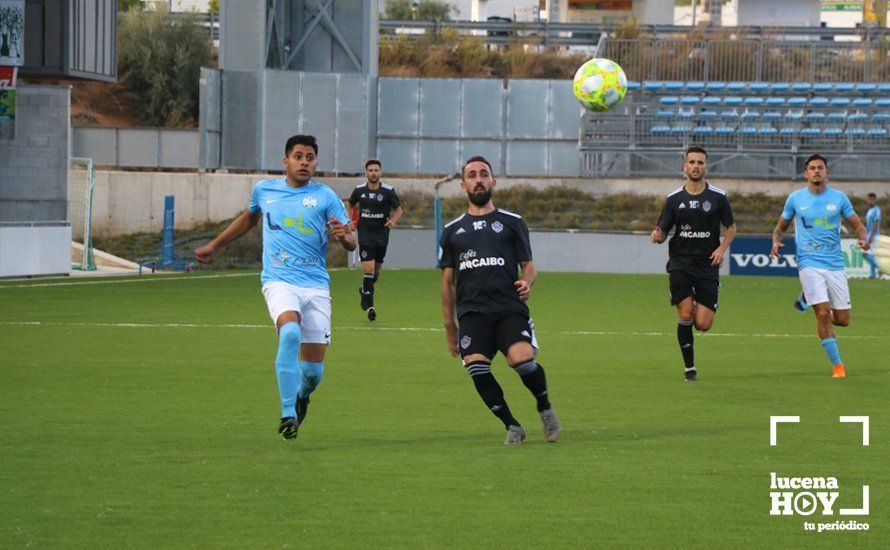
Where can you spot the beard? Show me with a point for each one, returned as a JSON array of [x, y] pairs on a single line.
[[479, 198]]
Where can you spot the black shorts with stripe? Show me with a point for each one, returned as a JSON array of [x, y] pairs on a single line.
[[487, 334]]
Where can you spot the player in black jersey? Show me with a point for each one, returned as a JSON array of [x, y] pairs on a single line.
[[379, 210], [487, 275], [696, 210]]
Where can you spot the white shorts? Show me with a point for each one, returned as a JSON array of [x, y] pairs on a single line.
[[313, 305], [823, 285]]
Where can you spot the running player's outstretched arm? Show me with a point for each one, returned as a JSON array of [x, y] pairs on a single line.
[[859, 229], [527, 278], [665, 222], [237, 229], [343, 233], [781, 227], [448, 303], [396, 215]]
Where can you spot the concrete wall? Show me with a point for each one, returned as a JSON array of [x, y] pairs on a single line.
[[137, 147], [128, 202], [35, 249], [34, 165], [804, 13]]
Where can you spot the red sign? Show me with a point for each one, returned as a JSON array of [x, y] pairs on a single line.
[[7, 78]]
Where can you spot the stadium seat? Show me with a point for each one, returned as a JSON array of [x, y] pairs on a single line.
[[758, 87], [794, 115], [815, 116], [653, 86], [780, 87], [711, 101], [707, 115], [680, 129], [822, 87], [703, 131], [715, 86], [724, 130], [862, 102], [665, 115], [767, 131], [673, 86], [837, 116], [865, 88], [857, 117], [685, 114], [696, 87], [633, 85], [855, 131], [843, 87], [832, 132], [882, 103], [877, 132], [732, 101], [880, 118], [772, 115], [753, 101], [819, 102], [669, 100], [729, 115], [884, 88], [660, 129], [810, 132], [797, 101], [787, 131], [689, 100], [748, 130], [775, 101], [839, 102], [735, 87], [800, 87], [750, 115]]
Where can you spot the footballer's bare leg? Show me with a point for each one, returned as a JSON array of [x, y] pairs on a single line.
[[826, 319]]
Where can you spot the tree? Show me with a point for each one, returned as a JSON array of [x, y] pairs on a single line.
[[127, 5], [214, 7]]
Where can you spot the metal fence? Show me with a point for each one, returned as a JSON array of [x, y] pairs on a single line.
[[137, 147], [752, 60]]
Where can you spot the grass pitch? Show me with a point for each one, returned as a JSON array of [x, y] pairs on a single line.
[[143, 413]]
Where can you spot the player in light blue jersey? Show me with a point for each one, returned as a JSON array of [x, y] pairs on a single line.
[[817, 211], [873, 228], [298, 214]]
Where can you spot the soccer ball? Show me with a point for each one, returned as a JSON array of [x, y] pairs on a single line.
[[600, 85], [882, 253]]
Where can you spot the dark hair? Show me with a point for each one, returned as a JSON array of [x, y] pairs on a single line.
[[477, 158], [300, 139], [872, 196], [811, 158], [695, 149], [369, 162]]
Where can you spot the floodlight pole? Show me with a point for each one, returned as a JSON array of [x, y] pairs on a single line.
[[693, 12]]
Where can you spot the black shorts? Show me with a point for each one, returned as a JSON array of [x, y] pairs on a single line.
[[488, 334], [703, 288], [367, 253]]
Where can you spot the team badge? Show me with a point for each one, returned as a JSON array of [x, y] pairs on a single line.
[[706, 206], [364, 253], [379, 198], [310, 202], [831, 207], [497, 227], [465, 342]]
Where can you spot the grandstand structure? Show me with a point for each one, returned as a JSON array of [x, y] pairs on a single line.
[[759, 106]]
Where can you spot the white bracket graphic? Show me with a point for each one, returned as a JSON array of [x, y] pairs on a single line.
[[858, 511], [864, 421], [773, 420]]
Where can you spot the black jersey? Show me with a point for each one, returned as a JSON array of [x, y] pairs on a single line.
[[697, 219], [485, 253], [374, 206]]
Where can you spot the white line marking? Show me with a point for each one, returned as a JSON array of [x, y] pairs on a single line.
[[773, 420], [400, 329], [859, 420], [144, 279]]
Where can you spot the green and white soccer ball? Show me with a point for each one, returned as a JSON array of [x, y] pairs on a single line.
[[600, 85], [882, 253]]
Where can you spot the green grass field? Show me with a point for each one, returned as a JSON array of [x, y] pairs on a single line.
[[143, 413]]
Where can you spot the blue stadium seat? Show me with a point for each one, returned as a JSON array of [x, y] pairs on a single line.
[[767, 131], [758, 87], [832, 132], [665, 115], [865, 88], [880, 118], [732, 101], [810, 132], [696, 87], [632, 85], [703, 131], [800, 87], [729, 115], [753, 101], [772, 115], [862, 102], [787, 131], [843, 87], [724, 130], [715, 86], [780, 87], [669, 100], [748, 130], [855, 131], [680, 129], [750, 115], [815, 116], [673, 86], [794, 115], [857, 117], [837, 116], [839, 102], [685, 114], [689, 100], [884, 88], [877, 132], [822, 87], [711, 101], [819, 102], [660, 129], [797, 101], [653, 86], [707, 115], [735, 87], [882, 103], [775, 101]]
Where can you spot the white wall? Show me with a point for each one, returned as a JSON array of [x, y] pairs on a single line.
[[805, 13], [28, 250]]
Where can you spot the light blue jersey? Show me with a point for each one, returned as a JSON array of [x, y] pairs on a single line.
[[295, 230], [873, 221], [817, 231]]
